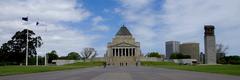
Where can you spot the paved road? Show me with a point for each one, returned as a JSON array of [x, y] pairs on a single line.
[[121, 73]]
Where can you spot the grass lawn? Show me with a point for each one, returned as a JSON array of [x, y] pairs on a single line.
[[11, 70], [221, 69]]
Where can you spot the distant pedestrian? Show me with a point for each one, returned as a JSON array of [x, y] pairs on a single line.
[[104, 64]]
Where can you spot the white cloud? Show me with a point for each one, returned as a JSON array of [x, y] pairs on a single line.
[[47, 10], [58, 37], [98, 25], [100, 28], [133, 4], [182, 21], [97, 20]]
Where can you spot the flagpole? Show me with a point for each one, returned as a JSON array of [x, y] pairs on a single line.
[[46, 59], [46, 52], [36, 46], [36, 59], [27, 50], [37, 53], [26, 19]]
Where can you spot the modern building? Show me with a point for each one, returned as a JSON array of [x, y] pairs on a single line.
[[210, 44], [191, 49], [171, 47], [123, 50]]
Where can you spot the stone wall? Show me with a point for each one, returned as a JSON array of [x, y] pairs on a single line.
[[184, 61], [63, 62], [151, 59]]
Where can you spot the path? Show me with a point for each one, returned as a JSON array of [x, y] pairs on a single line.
[[121, 73]]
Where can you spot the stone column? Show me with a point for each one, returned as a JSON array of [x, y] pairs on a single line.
[[115, 51], [125, 51], [118, 51], [120, 54]]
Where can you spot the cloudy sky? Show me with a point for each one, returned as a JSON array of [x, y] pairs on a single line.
[[71, 25]]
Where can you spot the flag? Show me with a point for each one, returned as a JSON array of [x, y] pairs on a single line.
[[37, 23], [25, 18]]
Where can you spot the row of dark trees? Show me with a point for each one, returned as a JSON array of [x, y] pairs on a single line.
[[179, 56], [229, 60], [154, 54], [87, 53], [223, 59], [172, 56], [54, 56]]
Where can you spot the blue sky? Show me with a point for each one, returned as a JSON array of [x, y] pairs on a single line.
[[75, 24]]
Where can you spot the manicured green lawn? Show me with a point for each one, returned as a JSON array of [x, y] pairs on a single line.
[[221, 69], [11, 70]]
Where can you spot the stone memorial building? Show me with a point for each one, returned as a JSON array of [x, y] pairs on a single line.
[[123, 50]]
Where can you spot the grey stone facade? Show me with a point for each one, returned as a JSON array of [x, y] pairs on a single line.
[[123, 49], [210, 44]]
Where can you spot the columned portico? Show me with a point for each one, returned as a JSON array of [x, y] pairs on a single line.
[[123, 51]]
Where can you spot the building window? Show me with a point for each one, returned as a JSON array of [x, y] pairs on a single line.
[[133, 51], [113, 52], [120, 52], [130, 54], [127, 52], [117, 52]]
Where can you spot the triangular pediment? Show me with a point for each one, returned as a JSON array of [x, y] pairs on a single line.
[[124, 45]]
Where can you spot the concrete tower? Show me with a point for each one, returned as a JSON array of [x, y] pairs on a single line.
[[210, 44]]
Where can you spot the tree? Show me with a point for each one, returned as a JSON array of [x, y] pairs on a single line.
[[154, 54], [221, 48], [179, 56], [14, 51], [32, 60], [73, 56], [88, 53], [231, 60], [52, 56], [221, 52]]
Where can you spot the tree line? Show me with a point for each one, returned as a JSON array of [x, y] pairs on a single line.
[[87, 53]]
